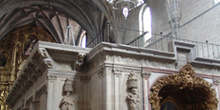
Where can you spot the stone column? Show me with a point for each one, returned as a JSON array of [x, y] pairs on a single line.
[[174, 15], [50, 92]]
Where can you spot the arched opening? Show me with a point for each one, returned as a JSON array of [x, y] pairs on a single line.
[[83, 40], [183, 91], [174, 98], [83, 43], [145, 23]]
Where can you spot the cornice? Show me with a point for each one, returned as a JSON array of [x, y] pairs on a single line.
[[120, 49]]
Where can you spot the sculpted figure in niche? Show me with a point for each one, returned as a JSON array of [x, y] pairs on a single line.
[[67, 103], [132, 89]]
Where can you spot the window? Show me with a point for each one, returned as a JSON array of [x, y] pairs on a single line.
[[216, 1], [83, 43], [145, 23]]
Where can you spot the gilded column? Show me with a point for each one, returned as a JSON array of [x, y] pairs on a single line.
[[14, 60]]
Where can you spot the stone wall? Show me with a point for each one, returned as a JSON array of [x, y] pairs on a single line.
[[200, 20]]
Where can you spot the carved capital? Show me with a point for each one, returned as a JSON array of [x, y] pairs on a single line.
[[146, 73], [51, 77], [85, 79], [117, 71], [216, 81]]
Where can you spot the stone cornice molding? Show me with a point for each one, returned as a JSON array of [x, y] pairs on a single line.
[[106, 48]]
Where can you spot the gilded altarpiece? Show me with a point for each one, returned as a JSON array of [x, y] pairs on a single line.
[[183, 91], [15, 47]]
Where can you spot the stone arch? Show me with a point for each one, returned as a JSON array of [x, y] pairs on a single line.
[[185, 80]]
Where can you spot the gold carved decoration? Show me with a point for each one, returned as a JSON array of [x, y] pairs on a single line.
[[181, 83], [15, 47]]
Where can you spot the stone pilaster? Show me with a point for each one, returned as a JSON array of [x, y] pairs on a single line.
[[117, 72], [146, 75]]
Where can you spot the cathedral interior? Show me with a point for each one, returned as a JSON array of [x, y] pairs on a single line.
[[163, 54]]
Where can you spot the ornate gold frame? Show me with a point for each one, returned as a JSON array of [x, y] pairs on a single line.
[[185, 78]]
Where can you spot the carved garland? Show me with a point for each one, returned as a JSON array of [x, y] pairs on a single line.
[[185, 78]]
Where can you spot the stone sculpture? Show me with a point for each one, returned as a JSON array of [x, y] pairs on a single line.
[[132, 89], [67, 103]]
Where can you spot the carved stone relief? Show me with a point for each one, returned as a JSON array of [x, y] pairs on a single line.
[[49, 64], [132, 98], [79, 62], [187, 81], [43, 52], [68, 102]]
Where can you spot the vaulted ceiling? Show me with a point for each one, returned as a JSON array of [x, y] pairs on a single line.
[[52, 15], [55, 15]]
